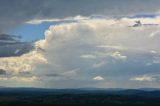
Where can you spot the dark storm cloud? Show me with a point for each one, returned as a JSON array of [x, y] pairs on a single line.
[[11, 45], [15, 12]]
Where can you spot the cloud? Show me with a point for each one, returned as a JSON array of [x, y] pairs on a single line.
[[52, 75], [16, 78], [98, 65], [146, 78], [17, 12], [74, 52], [116, 47], [88, 45], [143, 78], [69, 19], [154, 52], [22, 63], [85, 39], [9, 38], [2, 72], [24, 73], [11, 45], [156, 58], [89, 56], [18, 59], [155, 33], [98, 78], [117, 55]]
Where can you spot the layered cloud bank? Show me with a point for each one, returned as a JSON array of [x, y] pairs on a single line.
[[17, 12], [90, 52]]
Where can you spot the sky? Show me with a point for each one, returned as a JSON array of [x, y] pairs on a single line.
[[80, 43]]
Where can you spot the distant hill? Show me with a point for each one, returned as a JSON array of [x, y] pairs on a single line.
[[78, 97]]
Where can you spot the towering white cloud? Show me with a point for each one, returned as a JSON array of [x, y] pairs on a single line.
[[100, 47], [75, 52]]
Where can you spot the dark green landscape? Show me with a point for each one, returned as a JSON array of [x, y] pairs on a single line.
[[79, 97]]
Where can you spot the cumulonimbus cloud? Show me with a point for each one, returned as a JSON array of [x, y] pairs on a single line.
[[79, 51], [88, 42]]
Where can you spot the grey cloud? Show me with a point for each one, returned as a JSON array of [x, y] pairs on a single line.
[[2, 72], [52, 75], [23, 73], [11, 38], [16, 12], [10, 45]]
